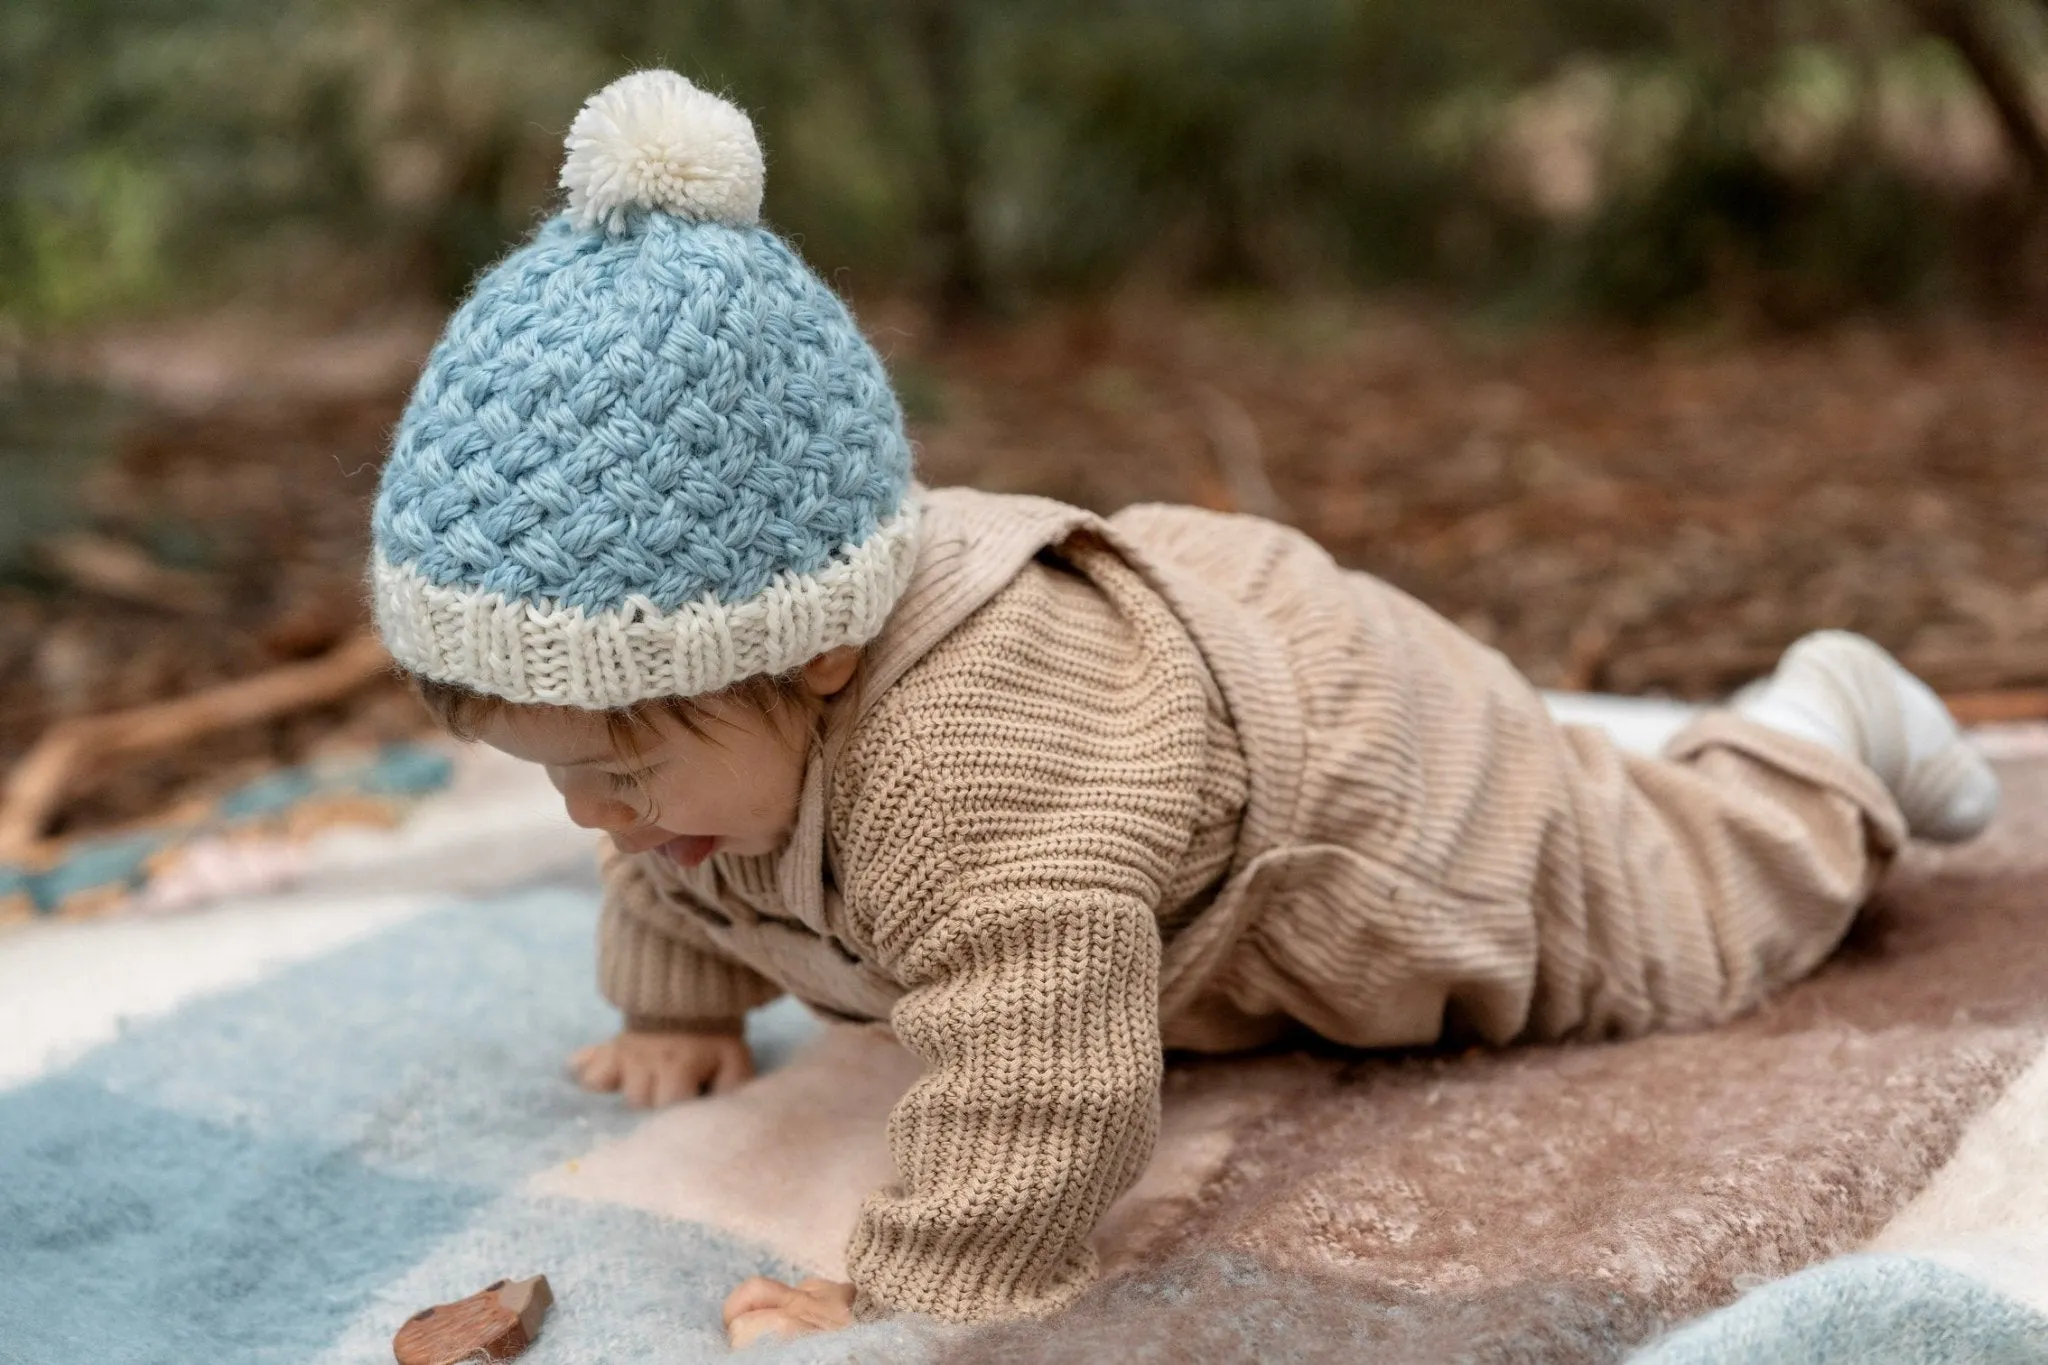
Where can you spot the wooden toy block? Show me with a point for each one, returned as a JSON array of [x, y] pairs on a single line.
[[495, 1323]]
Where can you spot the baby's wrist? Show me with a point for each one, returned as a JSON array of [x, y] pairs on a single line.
[[648, 1023]]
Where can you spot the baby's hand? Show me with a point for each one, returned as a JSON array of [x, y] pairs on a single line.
[[769, 1308], [656, 1069]]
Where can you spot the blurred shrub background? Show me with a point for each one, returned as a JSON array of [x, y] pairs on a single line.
[[1649, 159], [1638, 336]]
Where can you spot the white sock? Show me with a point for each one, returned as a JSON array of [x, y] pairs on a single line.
[[1842, 691]]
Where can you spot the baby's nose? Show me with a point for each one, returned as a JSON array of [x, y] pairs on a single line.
[[600, 813]]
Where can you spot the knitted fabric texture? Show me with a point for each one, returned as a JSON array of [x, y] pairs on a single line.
[[1407, 844], [1026, 979], [651, 455]]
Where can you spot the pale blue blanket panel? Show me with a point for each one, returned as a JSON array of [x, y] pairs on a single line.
[[245, 1179], [1862, 1310]]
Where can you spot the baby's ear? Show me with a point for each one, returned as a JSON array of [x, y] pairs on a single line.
[[830, 672]]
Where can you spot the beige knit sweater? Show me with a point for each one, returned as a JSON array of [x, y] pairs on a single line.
[[1177, 780]]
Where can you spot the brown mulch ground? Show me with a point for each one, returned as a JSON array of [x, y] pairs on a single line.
[[1613, 512]]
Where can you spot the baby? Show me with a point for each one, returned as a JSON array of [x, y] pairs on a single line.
[[1045, 793]]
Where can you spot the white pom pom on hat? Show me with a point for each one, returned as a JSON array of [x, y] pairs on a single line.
[[652, 140]]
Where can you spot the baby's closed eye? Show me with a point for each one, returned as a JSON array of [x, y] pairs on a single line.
[[627, 782]]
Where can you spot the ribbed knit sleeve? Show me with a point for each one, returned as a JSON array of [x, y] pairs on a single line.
[[656, 967], [1005, 821]]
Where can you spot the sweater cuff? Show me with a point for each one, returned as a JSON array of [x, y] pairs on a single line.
[[651, 974], [648, 1023]]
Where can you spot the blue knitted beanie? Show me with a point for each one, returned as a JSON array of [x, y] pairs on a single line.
[[651, 455]]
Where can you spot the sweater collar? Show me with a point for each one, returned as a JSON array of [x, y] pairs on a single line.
[[972, 545]]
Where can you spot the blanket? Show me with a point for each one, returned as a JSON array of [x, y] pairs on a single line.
[[254, 837], [271, 1132]]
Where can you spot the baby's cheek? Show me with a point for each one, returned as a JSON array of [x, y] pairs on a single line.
[[594, 811], [669, 800]]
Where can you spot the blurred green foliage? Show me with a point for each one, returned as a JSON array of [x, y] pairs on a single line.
[[1644, 157]]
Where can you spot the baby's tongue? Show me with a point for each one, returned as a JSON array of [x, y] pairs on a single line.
[[690, 849]]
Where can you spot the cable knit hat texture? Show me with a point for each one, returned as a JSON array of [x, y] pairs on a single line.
[[651, 455]]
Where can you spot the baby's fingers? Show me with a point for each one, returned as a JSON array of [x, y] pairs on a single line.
[[763, 1307], [672, 1083], [834, 1293], [754, 1295], [638, 1086], [748, 1328], [597, 1068], [735, 1069]]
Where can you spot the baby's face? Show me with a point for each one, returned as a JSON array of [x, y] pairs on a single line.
[[732, 789]]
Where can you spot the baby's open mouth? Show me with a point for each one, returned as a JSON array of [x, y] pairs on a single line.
[[691, 849]]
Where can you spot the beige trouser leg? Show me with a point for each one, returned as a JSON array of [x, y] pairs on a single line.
[[1704, 879]]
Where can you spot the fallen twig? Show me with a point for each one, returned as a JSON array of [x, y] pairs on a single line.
[[37, 785], [115, 568]]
